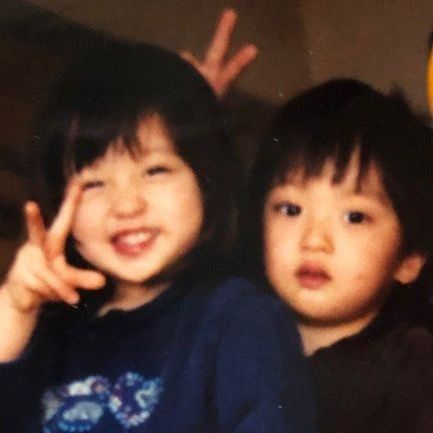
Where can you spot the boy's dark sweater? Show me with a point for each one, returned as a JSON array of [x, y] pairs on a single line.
[[378, 381], [197, 359]]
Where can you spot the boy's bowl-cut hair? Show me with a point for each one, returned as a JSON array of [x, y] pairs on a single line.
[[331, 121], [103, 96]]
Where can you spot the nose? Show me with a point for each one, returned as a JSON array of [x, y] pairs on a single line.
[[316, 235], [127, 201]]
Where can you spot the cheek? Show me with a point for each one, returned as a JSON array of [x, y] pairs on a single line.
[[190, 223], [384, 249], [270, 245], [278, 248], [87, 222], [373, 261], [193, 200], [182, 209], [188, 208]]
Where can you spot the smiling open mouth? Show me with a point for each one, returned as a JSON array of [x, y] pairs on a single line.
[[133, 242]]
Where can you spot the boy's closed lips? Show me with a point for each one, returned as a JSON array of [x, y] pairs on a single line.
[[312, 276]]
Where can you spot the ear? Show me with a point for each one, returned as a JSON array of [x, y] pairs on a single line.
[[409, 268]]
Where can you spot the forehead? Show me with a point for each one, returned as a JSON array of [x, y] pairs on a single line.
[[151, 136]]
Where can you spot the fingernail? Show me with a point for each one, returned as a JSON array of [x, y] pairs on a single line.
[[74, 299], [253, 49]]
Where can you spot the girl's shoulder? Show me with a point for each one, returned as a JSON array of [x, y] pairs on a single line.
[[234, 291], [237, 299]]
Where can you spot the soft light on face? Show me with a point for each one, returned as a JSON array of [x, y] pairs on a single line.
[[139, 215], [331, 250]]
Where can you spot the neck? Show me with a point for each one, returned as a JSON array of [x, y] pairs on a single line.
[[315, 336], [129, 296]]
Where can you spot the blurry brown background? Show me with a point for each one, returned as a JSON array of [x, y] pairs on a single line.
[[301, 42]]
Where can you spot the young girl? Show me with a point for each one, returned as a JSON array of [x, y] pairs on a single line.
[[118, 317], [342, 211]]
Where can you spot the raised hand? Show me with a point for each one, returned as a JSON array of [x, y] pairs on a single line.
[[40, 272], [219, 73]]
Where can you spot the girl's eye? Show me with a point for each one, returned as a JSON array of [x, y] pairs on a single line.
[[92, 184], [157, 169], [355, 217], [289, 209]]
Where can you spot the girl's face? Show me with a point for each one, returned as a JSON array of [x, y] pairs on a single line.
[[138, 215], [332, 250]]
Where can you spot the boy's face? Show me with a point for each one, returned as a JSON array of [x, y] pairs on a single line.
[[138, 216], [331, 250]]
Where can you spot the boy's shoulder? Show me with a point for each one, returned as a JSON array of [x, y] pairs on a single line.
[[412, 343], [387, 351], [392, 339], [378, 380]]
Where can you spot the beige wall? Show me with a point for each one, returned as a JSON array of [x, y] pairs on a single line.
[[380, 41], [301, 41], [275, 26]]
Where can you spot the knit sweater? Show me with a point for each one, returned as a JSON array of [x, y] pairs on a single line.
[[199, 358]]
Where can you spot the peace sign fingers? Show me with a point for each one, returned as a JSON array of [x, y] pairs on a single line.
[[234, 68], [220, 74], [75, 277], [40, 272]]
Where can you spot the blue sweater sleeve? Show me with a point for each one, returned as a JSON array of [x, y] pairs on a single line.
[[262, 385], [19, 387]]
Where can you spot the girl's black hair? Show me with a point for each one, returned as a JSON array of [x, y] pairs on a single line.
[[104, 95], [329, 123]]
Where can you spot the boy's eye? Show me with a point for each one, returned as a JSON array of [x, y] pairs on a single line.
[[157, 169], [355, 217], [92, 184], [289, 209]]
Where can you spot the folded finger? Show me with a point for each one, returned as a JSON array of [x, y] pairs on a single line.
[[237, 64], [79, 278], [57, 287], [188, 56], [32, 291]]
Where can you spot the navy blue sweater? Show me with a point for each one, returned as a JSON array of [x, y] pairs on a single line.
[[196, 359]]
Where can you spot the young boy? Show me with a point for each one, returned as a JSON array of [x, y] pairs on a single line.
[[342, 211]]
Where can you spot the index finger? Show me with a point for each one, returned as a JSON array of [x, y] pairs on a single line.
[[62, 224], [36, 231], [430, 82], [218, 46]]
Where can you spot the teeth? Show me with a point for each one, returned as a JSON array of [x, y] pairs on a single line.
[[135, 238]]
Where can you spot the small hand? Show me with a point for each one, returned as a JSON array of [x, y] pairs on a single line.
[[40, 272], [220, 74]]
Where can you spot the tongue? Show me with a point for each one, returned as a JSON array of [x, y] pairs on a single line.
[[130, 244]]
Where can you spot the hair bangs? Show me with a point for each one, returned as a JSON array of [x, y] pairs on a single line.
[[306, 155], [90, 136]]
